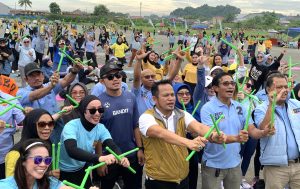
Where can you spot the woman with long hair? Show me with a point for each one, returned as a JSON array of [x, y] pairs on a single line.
[[32, 168]]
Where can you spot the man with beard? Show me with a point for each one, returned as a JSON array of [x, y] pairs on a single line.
[[280, 152], [218, 163], [121, 119]]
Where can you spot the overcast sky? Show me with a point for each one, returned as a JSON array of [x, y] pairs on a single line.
[[163, 7]]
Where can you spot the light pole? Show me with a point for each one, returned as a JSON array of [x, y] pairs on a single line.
[[141, 9]]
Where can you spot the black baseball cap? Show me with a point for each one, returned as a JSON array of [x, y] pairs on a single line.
[[31, 67], [109, 67]]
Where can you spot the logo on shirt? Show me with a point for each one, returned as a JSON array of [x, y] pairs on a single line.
[[106, 104], [218, 115], [122, 111], [129, 100], [296, 111]]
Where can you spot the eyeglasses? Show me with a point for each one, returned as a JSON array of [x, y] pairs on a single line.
[[227, 83], [184, 93], [26, 41], [149, 76], [248, 85], [93, 111], [111, 76], [39, 159], [42, 124]]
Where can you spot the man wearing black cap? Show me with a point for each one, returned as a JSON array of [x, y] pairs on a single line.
[[39, 95], [121, 119]]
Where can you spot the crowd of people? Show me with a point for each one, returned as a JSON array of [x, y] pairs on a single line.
[[198, 97]]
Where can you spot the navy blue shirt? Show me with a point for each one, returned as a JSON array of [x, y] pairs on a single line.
[[120, 118]]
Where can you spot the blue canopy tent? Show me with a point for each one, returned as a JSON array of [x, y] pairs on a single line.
[[293, 32], [199, 27]]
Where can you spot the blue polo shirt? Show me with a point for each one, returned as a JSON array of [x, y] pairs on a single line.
[[47, 102], [10, 183], [85, 141], [215, 155], [11, 117], [262, 95], [143, 98]]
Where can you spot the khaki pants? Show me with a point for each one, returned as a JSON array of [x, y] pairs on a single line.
[[231, 178], [277, 177]]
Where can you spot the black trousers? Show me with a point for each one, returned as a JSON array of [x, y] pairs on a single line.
[[156, 184], [131, 181], [90, 55], [76, 177], [2, 171], [39, 58]]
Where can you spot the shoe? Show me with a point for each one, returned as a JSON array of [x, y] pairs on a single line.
[[245, 185], [255, 180]]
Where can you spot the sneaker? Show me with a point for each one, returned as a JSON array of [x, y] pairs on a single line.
[[245, 185]]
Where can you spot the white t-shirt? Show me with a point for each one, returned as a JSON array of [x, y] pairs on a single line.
[[146, 121]]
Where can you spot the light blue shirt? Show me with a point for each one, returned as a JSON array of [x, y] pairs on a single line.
[[143, 98], [85, 141], [262, 95], [47, 102], [10, 183], [99, 88], [11, 117], [215, 155], [281, 113]]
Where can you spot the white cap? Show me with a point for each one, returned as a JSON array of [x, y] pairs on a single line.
[[6, 30], [214, 68], [208, 80]]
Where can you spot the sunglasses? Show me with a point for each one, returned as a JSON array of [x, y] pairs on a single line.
[[183, 93], [248, 85], [39, 159], [227, 83], [26, 41], [93, 111], [43, 124], [112, 76], [149, 76]]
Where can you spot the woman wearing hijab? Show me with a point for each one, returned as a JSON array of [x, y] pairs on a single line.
[[120, 49], [26, 56], [77, 91], [258, 71], [37, 124], [78, 140], [183, 94], [224, 51]]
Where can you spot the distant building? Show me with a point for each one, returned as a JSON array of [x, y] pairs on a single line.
[[28, 12], [4, 9], [217, 19]]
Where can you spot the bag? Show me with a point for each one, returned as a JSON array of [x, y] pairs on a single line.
[[260, 184]]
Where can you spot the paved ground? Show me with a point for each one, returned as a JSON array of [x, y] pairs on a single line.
[[294, 53]]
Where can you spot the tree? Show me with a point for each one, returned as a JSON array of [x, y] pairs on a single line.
[[101, 10], [25, 3], [54, 8], [229, 17]]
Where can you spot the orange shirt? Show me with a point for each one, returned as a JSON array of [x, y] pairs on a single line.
[[8, 85]]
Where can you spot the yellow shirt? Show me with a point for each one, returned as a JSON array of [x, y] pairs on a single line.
[[190, 73], [10, 162], [119, 50], [158, 72], [268, 44]]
